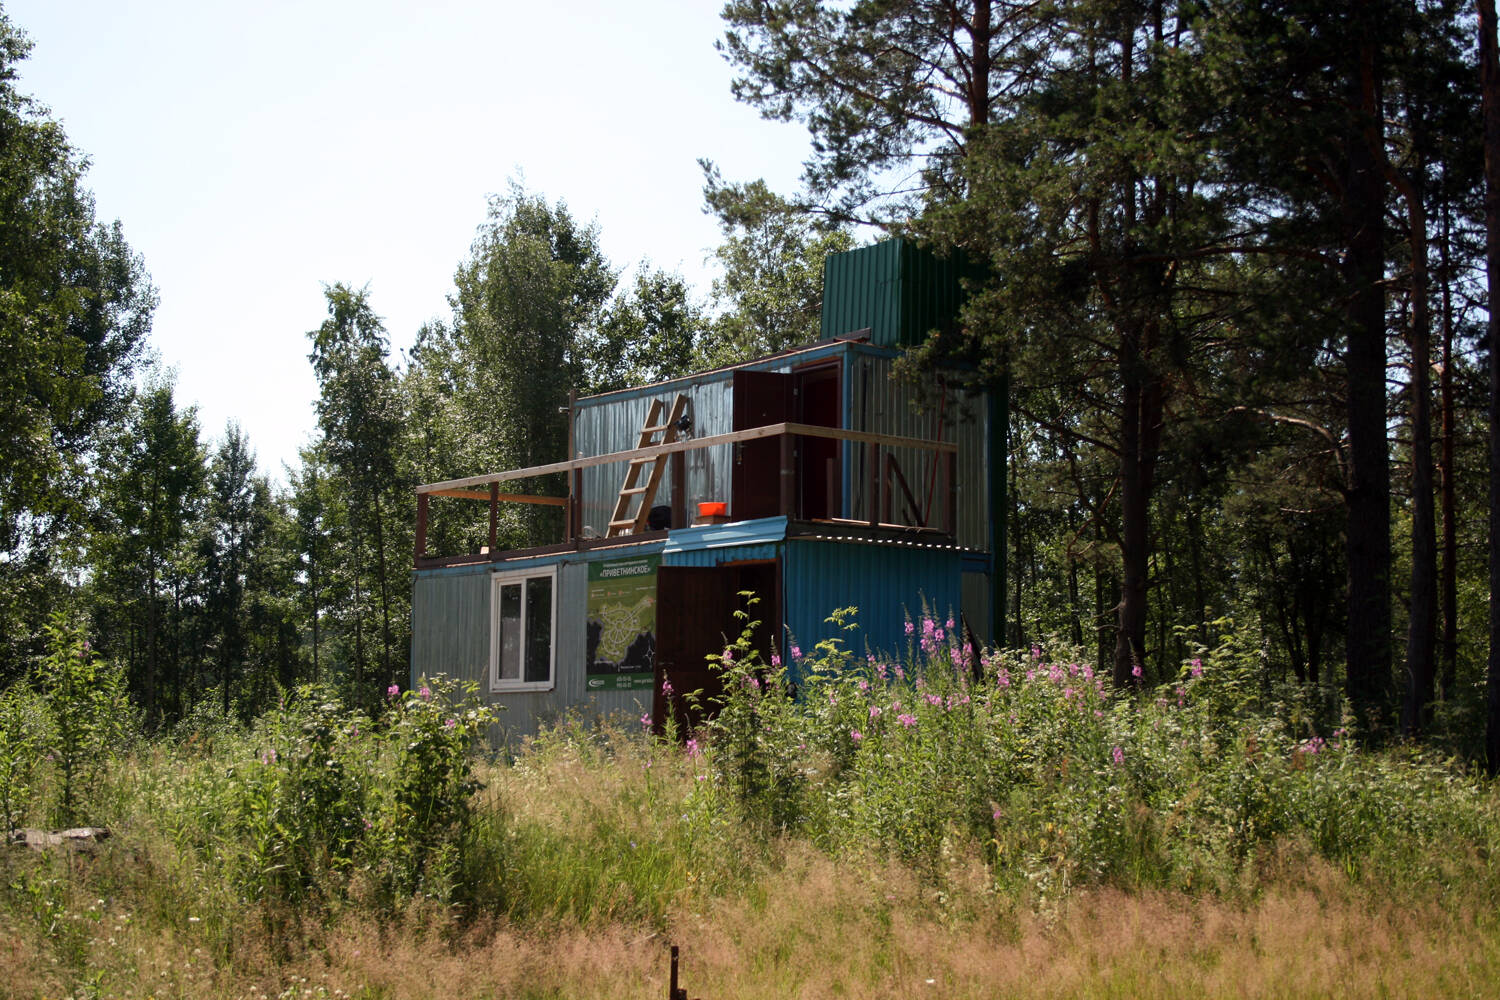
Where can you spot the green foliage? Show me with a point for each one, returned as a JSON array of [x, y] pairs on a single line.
[[755, 720], [770, 294], [336, 801], [1062, 781], [89, 718], [23, 740]]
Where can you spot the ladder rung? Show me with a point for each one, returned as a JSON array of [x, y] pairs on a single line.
[[622, 524], [642, 461], [634, 490], [653, 428]]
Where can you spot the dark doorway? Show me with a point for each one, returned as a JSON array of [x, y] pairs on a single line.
[[816, 399], [695, 609], [760, 398]]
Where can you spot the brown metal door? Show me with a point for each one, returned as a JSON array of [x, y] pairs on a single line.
[[760, 398], [694, 617]]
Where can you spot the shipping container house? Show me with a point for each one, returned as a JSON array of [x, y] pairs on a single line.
[[814, 479]]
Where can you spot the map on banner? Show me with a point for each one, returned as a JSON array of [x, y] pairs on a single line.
[[622, 624]]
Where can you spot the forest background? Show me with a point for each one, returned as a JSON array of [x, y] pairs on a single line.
[[1230, 260]]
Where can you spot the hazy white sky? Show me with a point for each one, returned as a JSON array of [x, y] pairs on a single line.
[[254, 152]]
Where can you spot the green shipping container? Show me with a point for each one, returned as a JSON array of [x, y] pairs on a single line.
[[894, 289]]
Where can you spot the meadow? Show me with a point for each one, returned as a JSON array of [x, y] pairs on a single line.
[[905, 825]]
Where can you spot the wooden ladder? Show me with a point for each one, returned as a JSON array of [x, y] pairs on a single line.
[[622, 522]]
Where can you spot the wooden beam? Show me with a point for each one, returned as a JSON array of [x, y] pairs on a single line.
[[503, 497], [494, 512], [749, 434], [421, 544]]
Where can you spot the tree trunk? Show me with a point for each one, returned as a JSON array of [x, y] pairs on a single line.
[[1447, 487], [1489, 74], [1421, 661], [1368, 533], [1140, 436]]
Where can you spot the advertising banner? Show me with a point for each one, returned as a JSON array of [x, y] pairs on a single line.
[[622, 624]]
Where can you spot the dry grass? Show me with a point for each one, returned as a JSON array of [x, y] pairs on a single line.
[[823, 930]]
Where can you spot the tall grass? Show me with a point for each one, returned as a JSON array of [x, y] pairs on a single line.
[[1007, 827]]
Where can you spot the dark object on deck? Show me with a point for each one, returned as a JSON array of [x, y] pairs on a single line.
[[673, 991], [660, 518]]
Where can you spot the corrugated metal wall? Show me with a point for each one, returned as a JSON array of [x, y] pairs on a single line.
[[885, 582], [882, 404], [614, 424], [893, 288], [451, 635]]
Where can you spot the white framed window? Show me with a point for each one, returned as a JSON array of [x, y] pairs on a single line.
[[523, 630]]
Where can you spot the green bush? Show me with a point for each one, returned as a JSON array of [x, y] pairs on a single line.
[[1061, 780]]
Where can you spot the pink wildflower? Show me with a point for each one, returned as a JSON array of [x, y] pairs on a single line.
[[907, 720], [874, 711], [1135, 671], [392, 691], [646, 721], [775, 659], [1197, 667], [1119, 756], [693, 750], [910, 628], [856, 735], [796, 652], [451, 723]]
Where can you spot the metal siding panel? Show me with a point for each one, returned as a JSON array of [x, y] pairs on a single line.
[[886, 405], [614, 424], [450, 626], [886, 583], [976, 604], [451, 634], [718, 556]]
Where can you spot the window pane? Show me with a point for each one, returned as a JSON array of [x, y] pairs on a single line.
[[510, 632], [539, 628]]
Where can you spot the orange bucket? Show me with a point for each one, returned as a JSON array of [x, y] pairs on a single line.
[[714, 508]]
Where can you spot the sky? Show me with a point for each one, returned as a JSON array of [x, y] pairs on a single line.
[[254, 153]]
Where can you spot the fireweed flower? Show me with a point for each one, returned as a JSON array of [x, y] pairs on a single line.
[[1135, 671], [796, 652], [907, 720], [856, 735], [1118, 755], [864, 685], [425, 694], [646, 721], [1197, 667], [728, 655], [910, 628], [451, 723], [775, 659], [693, 750], [874, 711], [392, 691]]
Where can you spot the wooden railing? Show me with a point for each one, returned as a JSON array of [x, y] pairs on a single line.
[[878, 500]]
